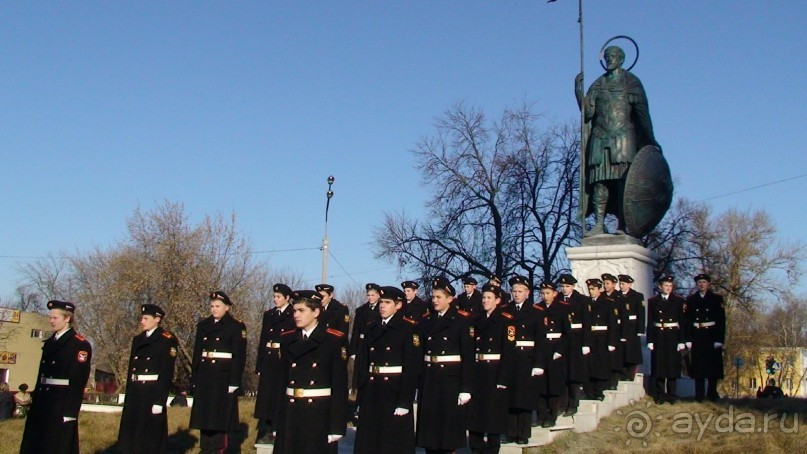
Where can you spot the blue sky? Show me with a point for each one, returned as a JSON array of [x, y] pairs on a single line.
[[247, 107]]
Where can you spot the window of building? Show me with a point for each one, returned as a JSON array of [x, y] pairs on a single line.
[[37, 333], [752, 383]]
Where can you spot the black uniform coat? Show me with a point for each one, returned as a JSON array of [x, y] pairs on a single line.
[[415, 309], [336, 316], [45, 431], [633, 324], [470, 303], [140, 430], [398, 343], [665, 359], [579, 332], [707, 361], [556, 321], [600, 360], [441, 423], [487, 410], [271, 384], [213, 407], [617, 307], [318, 362], [524, 394], [363, 316]]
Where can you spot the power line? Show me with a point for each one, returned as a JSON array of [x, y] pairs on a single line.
[[36, 257], [343, 268], [751, 188]]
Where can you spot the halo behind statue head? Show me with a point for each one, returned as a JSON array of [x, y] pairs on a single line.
[[605, 46]]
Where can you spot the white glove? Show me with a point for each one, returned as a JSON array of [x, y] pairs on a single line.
[[501, 387], [352, 356], [156, 409], [623, 340], [641, 334], [611, 348], [537, 371], [650, 346], [689, 344], [400, 412], [463, 398], [718, 345], [586, 350], [333, 438], [556, 355], [681, 347], [67, 418], [231, 389]]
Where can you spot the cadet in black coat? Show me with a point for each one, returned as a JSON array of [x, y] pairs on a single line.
[[665, 339], [334, 314], [555, 351], [471, 299], [614, 298], [414, 307], [144, 422], [219, 357], [52, 422], [705, 334], [365, 314], [493, 373], [388, 366], [579, 332], [633, 325], [528, 375], [603, 334], [447, 379], [271, 384], [314, 413]]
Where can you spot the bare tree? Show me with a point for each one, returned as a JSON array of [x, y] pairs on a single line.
[[501, 199]]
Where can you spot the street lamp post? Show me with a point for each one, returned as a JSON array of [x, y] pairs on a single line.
[[328, 194]]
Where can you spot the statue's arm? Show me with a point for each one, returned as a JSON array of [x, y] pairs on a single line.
[[641, 115], [578, 90]]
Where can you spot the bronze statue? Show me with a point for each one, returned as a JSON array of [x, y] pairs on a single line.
[[616, 128]]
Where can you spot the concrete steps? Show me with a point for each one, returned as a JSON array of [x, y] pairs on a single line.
[[587, 418]]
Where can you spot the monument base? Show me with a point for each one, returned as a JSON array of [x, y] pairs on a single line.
[[620, 254]]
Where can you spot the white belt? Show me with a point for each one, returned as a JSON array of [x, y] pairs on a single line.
[[361, 336], [488, 356], [55, 381], [442, 359], [273, 344], [153, 377], [599, 328], [553, 335], [386, 369], [703, 325], [225, 355], [577, 325], [666, 325], [525, 343], [302, 392], [631, 317]]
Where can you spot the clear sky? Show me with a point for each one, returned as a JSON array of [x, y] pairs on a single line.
[[247, 107]]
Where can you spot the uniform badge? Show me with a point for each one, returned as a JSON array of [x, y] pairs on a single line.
[[82, 356], [616, 312], [243, 334], [347, 319], [344, 353], [546, 321], [511, 333], [471, 331], [173, 352], [627, 306], [416, 340]]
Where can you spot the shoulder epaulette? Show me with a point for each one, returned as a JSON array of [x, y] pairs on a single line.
[[80, 337], [425, 313], [167, 335], [335, 332], [291, 331], [538, 306], [463, 313], [565, 303], [407, 319], [507, 315]]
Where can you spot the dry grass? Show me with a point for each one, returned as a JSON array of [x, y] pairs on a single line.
[[99, 431], [690, 427]]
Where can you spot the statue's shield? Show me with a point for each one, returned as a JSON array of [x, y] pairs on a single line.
[[648, 191]]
